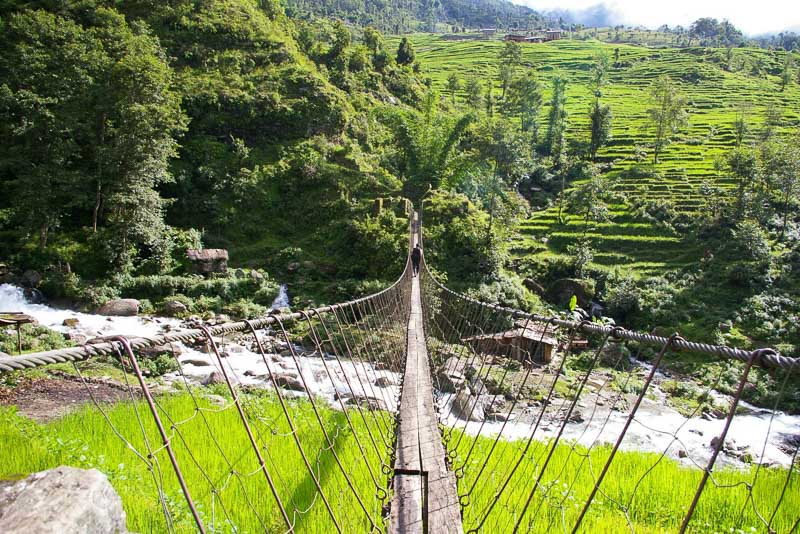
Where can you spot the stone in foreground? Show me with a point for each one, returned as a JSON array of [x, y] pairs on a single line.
[[61, 501]]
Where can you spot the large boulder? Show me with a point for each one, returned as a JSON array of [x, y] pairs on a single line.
[[534, 287], [450, 376], [120, 308], [64, 499], [31, 278], [562, 290], [173, 308], [468, 406]]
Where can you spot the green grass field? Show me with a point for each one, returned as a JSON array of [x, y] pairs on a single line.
[[715, 96], [654, 492], [84, 439]]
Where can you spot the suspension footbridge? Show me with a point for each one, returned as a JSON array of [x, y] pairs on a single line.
[[418, 409]]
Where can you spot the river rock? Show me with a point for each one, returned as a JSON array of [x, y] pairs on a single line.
[[372, 403], [64, 499], [156, 350], [289, 381], [385, 381], [214, 377], [120, 308], [562, 290], [173, 308], [198, 362], [71, 322], [468, 406], [450, 376], [31, 278], [534, 287]]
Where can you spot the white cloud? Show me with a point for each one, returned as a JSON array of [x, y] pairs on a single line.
[[752, 17]]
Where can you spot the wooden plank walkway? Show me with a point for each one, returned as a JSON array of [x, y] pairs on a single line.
[[419, 446]]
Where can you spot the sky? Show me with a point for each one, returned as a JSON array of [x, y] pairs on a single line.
[[752, 17]]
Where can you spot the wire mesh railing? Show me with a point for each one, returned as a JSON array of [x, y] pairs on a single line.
[[540, 416], [299, 439]]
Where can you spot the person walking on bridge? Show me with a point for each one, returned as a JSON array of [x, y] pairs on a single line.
[[416, 256]]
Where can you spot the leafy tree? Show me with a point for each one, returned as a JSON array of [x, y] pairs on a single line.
[[427, 143], [473, 89], [667, 112], [489, 99], [741, 164], [525, 100], [600, 119], [405, 52], [773, 116], [780, 168], [510, 58], [99, 105], [373, 39], [740, 125], [557, 119], [498, 144], [581, 255], [589, 200], [787, 71], [453, 85], [599, 115]]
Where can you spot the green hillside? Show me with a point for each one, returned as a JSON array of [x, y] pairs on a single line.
[[715, 98]]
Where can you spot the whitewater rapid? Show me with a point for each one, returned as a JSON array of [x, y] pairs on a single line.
[[245, 366]]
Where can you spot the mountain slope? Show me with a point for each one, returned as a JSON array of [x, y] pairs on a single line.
[[401, 16]]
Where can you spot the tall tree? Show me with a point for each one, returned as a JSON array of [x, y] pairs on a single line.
[[92, 107], [453, 85], [590, 200], [741, 127], [780, 168], [526, 100], [742, 165], [787, 71], [405, 52], [473, 89], [557, 119], [599, 114], [667, 112], [510, 58]]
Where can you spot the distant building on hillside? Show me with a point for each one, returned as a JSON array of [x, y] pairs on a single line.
[[552, 35], [488, 32], [515, 38]]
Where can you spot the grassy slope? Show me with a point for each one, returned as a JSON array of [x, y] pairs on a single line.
[[633, 245], [84, 439]]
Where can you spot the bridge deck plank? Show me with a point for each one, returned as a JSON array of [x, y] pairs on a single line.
[[419, 445]]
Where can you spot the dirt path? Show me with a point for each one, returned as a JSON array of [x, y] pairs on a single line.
[[45, 399]]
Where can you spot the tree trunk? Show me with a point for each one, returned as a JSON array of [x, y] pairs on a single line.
[[98, 200]]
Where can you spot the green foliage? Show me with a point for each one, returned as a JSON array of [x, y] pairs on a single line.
[[557, 119], [455, 238], [35, 338], [378, 245], [104, 133], [405, 53], [667, 112]]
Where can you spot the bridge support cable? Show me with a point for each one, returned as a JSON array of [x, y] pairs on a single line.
[[564, 473], [541, 446], [258, 450]]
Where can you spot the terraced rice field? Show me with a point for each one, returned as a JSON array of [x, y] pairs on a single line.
[[715, 97]]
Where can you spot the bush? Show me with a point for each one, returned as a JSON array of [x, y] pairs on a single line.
[[244, 309]]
